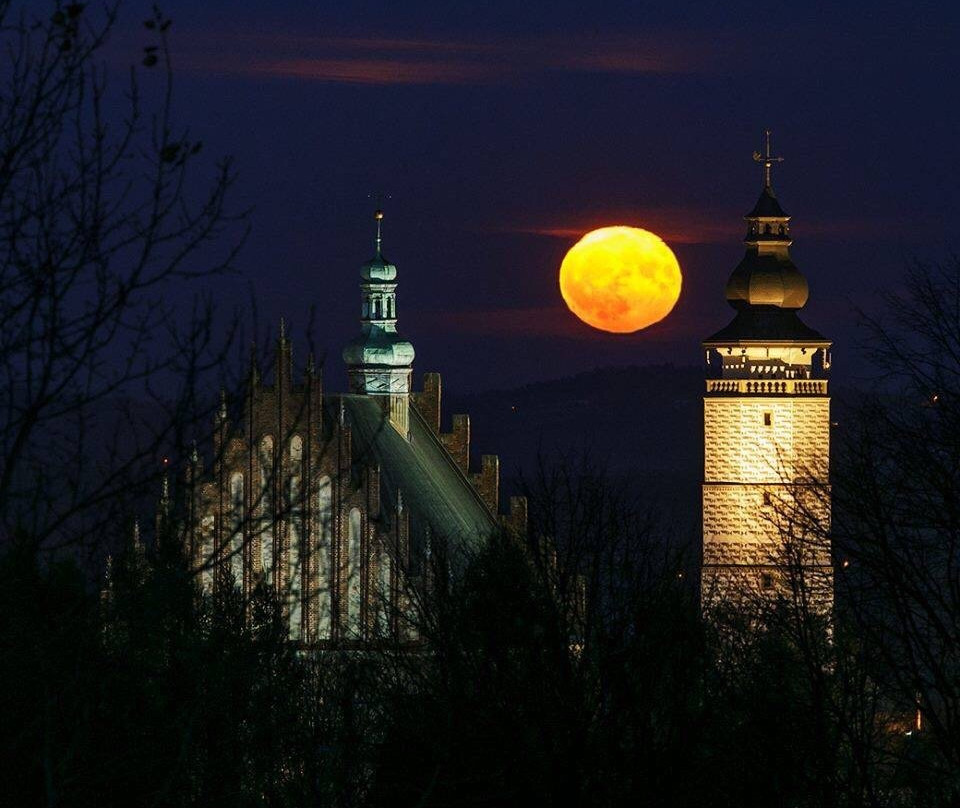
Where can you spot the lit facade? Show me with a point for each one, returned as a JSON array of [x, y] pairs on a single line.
[[766, 506], [333, 503]]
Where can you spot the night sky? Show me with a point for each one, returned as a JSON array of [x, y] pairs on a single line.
[[502, 131]]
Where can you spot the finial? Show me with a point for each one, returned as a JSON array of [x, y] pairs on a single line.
[[222, 412], [311, 364], [767, 159], [378, 215], [283, 329], [194, 454]]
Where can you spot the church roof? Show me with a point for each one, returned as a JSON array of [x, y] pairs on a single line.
[[431, 484], [765, 324]]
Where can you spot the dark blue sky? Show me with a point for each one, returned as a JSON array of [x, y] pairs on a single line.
[[503, 130]]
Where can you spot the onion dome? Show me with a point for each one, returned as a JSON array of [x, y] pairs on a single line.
[[378, 344], [766, 288], [766, 276]]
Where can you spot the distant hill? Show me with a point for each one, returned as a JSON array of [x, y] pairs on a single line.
[[642, 424]]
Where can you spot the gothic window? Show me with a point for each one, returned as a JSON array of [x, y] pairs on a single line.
[[354, 559], [296, 448], [767, 418], [207, 560], [294, 573], [324, 557], [383, 593], [236, 528], [766, 580], [767, 502], [266, 508], [766, 229]]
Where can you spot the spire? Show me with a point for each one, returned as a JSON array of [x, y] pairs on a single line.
[[766, 288], [767, 159], [379, 359]]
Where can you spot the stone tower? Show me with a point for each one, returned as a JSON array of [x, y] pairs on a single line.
[[379, 361], [766, 506]]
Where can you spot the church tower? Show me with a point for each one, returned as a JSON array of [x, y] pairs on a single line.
[[766, 506], [379, 361]]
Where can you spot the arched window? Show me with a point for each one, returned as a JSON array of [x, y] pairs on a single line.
[[236, 528], [294, 535], [384, 598], [207, 560], [766, 229], [376, 309], [325, 576], [354, 559], [266, 508], [296, 448]]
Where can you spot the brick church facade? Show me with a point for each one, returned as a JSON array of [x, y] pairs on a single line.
[[335, 502]]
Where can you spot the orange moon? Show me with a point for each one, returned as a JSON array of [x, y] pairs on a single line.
[[620, 279]]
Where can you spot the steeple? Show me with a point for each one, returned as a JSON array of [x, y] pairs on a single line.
[[766, 288], [379, 361], [766, 419]]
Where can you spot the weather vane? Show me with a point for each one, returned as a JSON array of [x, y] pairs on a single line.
[[378, 213], [767, 159]]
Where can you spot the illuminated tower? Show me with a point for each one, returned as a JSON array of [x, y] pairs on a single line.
[[379, 361], [766, 505]]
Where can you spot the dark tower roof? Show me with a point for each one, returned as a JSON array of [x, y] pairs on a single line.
[[766, 288], [767, 206]]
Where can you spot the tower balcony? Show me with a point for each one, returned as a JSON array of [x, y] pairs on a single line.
[[767, 387]]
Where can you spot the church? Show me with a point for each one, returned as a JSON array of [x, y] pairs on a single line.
[[766, 419], [335, 502]]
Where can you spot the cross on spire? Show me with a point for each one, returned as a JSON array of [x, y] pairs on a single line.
[[378, 215], [767, 159]]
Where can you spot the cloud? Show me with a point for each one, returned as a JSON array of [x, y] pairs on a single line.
[[542, 321], [555, 322], [673, 224], [677, 225], [413, 61]]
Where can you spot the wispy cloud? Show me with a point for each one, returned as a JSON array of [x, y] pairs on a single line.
[[673, 224], [423, 61], [700, 226], [548, 322]]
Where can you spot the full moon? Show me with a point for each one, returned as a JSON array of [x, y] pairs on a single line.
[[620, 279]]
